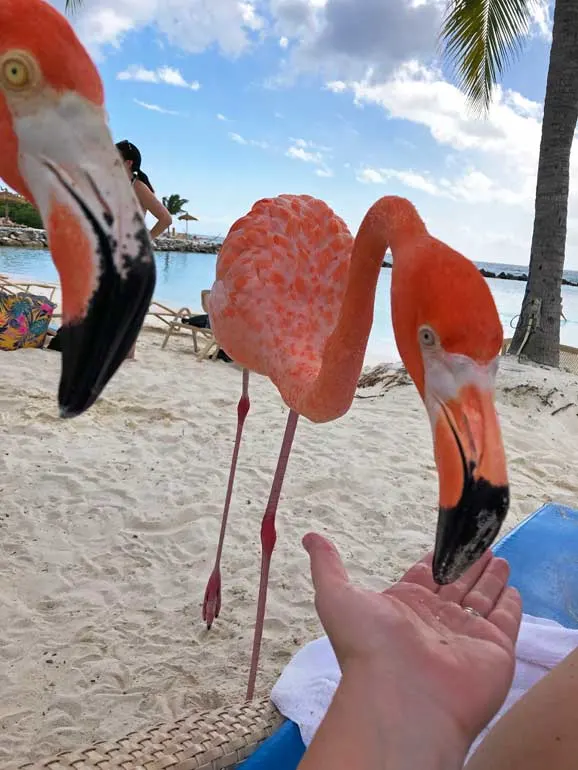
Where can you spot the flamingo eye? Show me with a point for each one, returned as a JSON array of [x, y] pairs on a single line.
[[18, 71], [427, 337]]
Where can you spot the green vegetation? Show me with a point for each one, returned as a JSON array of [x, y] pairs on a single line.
[[21, 213], [174, 204]]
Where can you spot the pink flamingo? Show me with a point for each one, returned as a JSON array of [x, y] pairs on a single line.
[[293, 300]]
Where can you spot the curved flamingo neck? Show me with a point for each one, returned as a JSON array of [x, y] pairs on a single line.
[[391, 222]]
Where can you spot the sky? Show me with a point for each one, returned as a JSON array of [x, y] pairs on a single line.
[[231, 101]]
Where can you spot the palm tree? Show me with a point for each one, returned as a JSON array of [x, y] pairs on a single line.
[[480, 37], [174, 204]]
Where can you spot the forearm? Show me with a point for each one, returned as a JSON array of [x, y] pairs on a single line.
[[374, 723], [540, 729], [158, 229]]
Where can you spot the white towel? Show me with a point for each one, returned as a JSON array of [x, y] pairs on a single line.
[[306, 686]]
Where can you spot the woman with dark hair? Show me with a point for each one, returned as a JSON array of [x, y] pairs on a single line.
[[145, 194], [143, 188]]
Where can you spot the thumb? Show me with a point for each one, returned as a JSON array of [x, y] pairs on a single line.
[[327, 570]]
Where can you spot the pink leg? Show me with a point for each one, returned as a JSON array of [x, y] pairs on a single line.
[[268, 539], [212, 602]]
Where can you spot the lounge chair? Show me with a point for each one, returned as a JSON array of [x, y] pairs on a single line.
[[16, 287], [542, 555], [204, 343]]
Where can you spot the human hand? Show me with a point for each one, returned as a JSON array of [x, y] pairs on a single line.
[[418, 633]]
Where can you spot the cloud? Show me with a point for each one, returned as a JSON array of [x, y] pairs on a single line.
[[221, 117], [503, 147], [309, 152], [191, 25], [479, 194], [298, 153], [168, 75], [252, 142], [155, 108], [283, 42], [472, 187]]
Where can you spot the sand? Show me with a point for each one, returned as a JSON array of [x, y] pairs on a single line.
[[108, 525]]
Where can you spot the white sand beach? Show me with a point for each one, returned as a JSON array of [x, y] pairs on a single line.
[[108, 526]]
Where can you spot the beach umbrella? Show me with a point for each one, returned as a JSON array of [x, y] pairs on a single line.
[[186, 217]]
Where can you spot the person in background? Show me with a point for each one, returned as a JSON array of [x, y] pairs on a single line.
[[145, 194], [143, 188]]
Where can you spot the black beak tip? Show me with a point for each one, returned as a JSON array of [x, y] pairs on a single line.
[[467, 530]]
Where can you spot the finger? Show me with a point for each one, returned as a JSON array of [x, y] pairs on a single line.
[[455, 592], [489, 587], [326, 566], [507, 614], [421, 574]]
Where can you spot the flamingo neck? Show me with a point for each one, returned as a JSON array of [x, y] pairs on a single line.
[[391, 222]]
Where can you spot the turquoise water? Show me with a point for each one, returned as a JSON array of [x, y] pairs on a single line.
[[181, 277]]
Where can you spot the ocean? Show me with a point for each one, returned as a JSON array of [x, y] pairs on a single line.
[[181, 277]]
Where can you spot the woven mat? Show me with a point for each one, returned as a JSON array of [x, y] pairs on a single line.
[[212, 740]]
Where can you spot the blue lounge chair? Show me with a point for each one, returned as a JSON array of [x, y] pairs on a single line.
[[543, 556]]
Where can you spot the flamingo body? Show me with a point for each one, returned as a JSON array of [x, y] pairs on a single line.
[[280, 282]]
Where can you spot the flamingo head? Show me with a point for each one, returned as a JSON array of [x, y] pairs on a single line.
[[57, 151], [449, 336]]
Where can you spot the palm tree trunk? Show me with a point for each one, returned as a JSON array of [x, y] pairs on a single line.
[[539, 323]]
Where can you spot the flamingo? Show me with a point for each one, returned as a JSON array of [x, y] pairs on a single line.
[[293, 300], [58, 153]]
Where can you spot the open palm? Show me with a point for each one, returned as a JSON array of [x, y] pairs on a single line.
[[460, 662]]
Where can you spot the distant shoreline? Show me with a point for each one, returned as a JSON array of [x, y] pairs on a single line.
[[504, 276], [30, 238]]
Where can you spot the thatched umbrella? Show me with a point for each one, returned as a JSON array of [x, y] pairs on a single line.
[[186, 217]]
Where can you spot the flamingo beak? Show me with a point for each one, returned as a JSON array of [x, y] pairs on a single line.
[[470, 458], [97, 237]]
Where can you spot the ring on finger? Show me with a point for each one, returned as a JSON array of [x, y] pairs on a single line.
[[472, 611]]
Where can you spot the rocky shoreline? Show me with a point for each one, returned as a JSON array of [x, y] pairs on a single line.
[[30, 238], [503, 276]]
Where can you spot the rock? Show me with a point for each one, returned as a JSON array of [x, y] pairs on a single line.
[[29, 237]]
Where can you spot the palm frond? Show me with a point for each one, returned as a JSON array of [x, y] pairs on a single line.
[[480, 38], [71, 6]]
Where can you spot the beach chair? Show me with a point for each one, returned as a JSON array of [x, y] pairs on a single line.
[[204, 343], [542, 552], [16, 287]]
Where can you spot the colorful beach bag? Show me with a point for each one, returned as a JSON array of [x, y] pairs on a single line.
[[24, 320]]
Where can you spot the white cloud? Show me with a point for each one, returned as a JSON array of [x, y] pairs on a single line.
[[298, 153], [191, 25], [283, 42], [168, 75], [155, 108], [505, 145], [324, 172], [481, 199], [221, 117], [252, 142]]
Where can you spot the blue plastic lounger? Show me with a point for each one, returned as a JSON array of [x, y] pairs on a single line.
[[543, 556]]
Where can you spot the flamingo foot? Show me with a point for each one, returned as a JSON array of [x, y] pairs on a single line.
[[212, 601]]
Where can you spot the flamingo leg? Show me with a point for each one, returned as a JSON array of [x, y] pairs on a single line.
[[212, 601], [268, 539]]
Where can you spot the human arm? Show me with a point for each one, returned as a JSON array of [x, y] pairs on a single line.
[[539, 731], [421, 677], [150, 202]]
